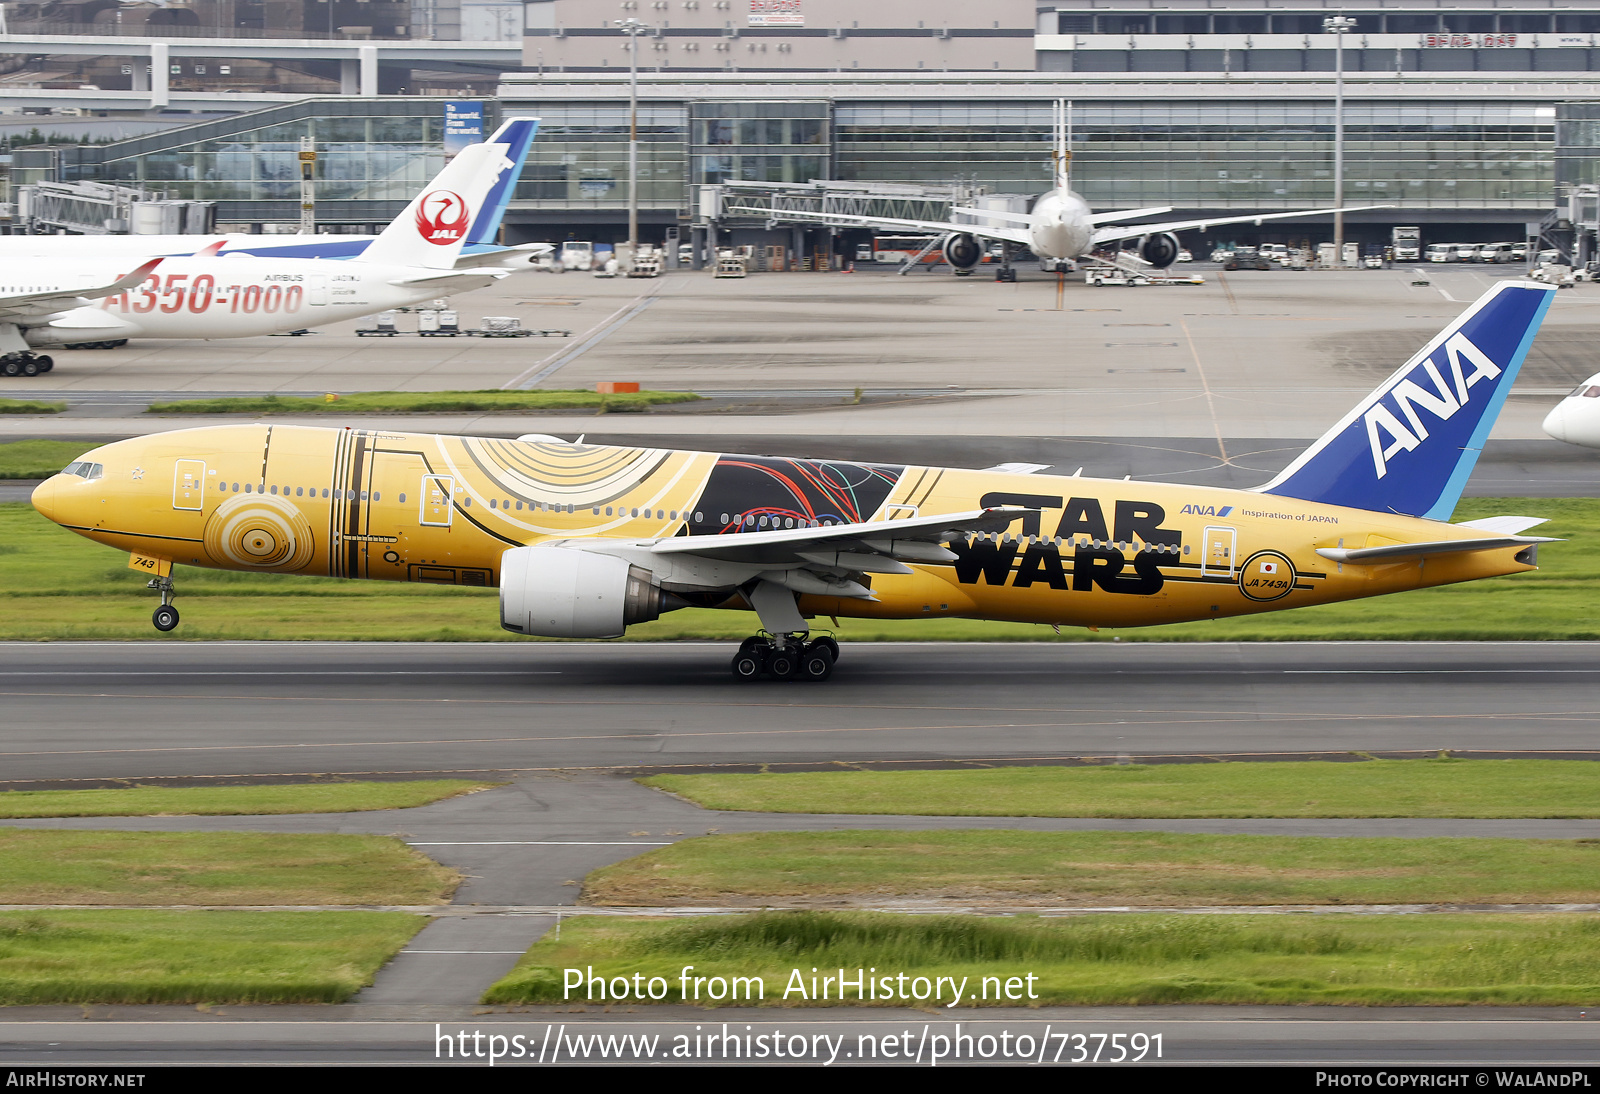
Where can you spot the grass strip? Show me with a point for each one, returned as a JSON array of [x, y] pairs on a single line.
[[1369, 788], [116, 956], [228, 801], [45, 866], [1432, 960], [66, 587], [426, 402], [1094, 869], [21, 406], [38, 459]]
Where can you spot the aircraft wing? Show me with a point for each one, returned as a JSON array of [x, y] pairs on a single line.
[[444, 278], [1112, 233], [929, 227], [39, 304], [837, 545]]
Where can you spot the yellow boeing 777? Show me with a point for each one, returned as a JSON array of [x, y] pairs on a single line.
[[584, 540]]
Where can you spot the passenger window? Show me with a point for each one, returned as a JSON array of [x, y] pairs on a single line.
[[466, 503], [493, 504], [376, 496], [235, 488], [274, 489], [247, 487], [519, 507], [608, 510], [299, 491], [363, 495], [633, 512], [402, 499]]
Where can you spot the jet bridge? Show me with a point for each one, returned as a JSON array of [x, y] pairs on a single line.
[[806, 209]]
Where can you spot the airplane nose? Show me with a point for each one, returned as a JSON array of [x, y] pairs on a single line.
[[1555, 423], [44, 498]]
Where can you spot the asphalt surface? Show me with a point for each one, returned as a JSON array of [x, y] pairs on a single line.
[[111, 710]]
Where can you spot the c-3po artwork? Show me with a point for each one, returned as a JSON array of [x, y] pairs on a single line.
[[586, 540]]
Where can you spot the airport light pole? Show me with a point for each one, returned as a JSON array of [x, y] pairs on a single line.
[[633, 28], [1338, 24]]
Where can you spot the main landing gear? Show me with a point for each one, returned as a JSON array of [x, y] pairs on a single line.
[[23, 363], [165, 617], [785, 657]]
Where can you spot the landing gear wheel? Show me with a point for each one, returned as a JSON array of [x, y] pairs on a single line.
[[46, 363], [782, 664], [746, 665], [11, 368], [30, 368], [816, 663], [833, 647], [165, 617]]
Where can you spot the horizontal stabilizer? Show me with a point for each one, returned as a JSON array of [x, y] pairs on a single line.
[[1504, 526], [1393, 552]]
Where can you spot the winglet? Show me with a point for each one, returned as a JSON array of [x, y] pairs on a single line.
[[1410, 445], [211, 250], [127, 281]]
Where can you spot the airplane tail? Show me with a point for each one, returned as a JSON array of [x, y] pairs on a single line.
[[1410, 445], [517, 135], [433, 228]]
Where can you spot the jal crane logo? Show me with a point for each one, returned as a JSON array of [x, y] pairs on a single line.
[[442, 217]]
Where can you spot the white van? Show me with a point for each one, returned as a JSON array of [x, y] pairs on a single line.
[[1441, 252]]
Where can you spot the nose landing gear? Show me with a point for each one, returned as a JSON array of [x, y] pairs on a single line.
[[165, 618]]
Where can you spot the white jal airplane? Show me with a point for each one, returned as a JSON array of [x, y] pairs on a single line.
[[1061, 226], [417, 258], [517, 134]]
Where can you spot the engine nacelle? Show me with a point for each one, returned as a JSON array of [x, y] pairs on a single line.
[[963, 251], [559, 592], [1160, 251]]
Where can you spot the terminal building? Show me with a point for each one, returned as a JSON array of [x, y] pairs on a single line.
[[1470, 120]]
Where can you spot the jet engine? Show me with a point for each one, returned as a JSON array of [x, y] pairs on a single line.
[[964, 251], [560, 592], [1160, 251]]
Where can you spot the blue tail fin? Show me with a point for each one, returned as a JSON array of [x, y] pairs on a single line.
[[1410, 445], [517, 135]]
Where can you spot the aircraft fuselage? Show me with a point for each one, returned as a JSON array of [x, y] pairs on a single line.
[[363, 503]]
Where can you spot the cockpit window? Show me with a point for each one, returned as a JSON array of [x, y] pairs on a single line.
[[1585, 391], [84, 469], [1591, 392]]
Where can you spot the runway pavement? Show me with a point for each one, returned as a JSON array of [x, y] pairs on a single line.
[[112, 710]]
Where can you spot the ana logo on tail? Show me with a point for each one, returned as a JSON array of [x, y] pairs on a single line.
[[1442, 402], [442, 217]]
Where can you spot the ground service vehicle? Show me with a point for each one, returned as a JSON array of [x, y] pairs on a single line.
[[584, 541], [1406, 244]]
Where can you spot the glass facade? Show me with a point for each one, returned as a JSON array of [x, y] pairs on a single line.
[[580, 160], [761, 141], [1310, 22], [358, 158], [1481, 155]]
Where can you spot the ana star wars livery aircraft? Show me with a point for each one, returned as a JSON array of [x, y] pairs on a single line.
[[418, 257], [1061, 226], [517, 134], [584, 540]]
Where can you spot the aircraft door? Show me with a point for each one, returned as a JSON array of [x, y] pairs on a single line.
[[189, 484], [317, 290], [1218, 548], [437, 499]]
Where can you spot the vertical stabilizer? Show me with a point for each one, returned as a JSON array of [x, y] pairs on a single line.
[[433, 228], [517, 135], [1410, 445]]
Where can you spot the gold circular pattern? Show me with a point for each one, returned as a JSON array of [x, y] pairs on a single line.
[[1266, 575], [261, 533]]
